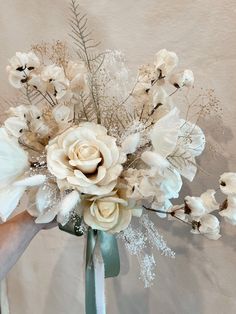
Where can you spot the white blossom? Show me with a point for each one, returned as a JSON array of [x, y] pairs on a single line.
[[86, 158]]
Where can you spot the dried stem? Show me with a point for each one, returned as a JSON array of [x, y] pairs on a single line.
[[172, 213]]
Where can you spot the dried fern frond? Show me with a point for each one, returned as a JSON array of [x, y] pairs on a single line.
[[85, 44]]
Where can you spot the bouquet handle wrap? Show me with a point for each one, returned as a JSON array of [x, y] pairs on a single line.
[[107, 245], [102, 261]]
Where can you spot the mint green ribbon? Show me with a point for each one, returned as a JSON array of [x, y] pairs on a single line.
[[110, 254]]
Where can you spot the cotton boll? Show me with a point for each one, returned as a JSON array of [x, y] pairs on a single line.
[[199, 206], [182, 79], [228, 183], [229, 211], [209, 226], [165, 61], [19, 111], [21, 67], [15, 126], [209, 201], [61, 113], [195, 206]]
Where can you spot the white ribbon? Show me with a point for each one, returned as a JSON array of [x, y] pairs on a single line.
[[4, 304], [99, 281]]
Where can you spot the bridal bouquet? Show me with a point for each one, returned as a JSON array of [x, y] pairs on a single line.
[[93, 148]]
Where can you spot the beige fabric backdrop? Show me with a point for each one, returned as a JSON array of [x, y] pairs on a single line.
[[49, 277]]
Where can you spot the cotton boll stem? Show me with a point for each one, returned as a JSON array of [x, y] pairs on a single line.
[[175, 91], [172, 213]]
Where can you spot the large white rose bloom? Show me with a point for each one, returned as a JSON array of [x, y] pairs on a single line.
[[85, 158]]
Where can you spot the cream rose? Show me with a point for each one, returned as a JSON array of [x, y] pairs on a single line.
[[85, 158], [109, 213]]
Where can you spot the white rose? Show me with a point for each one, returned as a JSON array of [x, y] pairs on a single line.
[[109, 213], [22, 65], [228, 183], [86, 158], [165, 61]]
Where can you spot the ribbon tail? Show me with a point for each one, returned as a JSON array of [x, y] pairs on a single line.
[[90, 291], [90, 296], [4, 304], [99, 281], [102, 261], [110, 253]]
